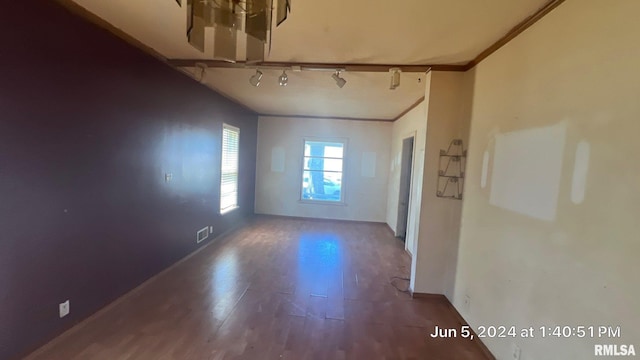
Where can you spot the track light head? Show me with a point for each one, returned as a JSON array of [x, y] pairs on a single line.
[[395, 78], [339, 81], [283, 80], [255, 78]]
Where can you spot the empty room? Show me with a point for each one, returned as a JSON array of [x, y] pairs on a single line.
[[305, 179]]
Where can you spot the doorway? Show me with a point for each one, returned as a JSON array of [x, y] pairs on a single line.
[[406, 163]]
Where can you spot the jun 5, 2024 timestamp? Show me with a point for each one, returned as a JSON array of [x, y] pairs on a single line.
[[581, 331], [555, 331]]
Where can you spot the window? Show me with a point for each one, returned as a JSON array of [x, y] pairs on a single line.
[[229, 168], [322, 171]]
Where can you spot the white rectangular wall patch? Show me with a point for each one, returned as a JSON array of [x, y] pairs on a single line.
[[526, 172], [368, 164], [277, 159]]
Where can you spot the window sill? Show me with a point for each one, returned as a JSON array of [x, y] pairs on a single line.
[[322, 202], [226, 211]]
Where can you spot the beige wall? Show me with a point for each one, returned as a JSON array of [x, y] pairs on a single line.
[[414, 123], [278, 193], [434, 261], [571, 77]]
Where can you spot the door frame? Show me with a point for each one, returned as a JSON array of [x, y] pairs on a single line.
[[411, 135]]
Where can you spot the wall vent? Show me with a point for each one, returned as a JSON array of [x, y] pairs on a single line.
[[202, 234]]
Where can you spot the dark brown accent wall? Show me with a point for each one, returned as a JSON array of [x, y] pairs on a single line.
[[89, 126]]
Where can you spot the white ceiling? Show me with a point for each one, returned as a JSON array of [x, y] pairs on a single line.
[[334, 31]]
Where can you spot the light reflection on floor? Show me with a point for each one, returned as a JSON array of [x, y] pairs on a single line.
[[320, 265], [225, 278]]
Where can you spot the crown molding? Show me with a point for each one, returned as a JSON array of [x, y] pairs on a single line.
[[350, 67], [80, 11], [413, 106], [85, 14], [314, 66], [514, 32], [326, 117]]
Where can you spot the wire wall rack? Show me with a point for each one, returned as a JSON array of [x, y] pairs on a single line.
[[451, 171]]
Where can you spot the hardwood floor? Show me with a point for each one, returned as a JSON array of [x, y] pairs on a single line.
[[275, 289]]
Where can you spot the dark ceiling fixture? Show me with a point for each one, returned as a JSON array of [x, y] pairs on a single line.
[[256, 78], [340, 82], [283, 80], [395, 78], [251, 18]]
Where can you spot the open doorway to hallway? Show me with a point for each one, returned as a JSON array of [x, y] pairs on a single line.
[[404, 195]]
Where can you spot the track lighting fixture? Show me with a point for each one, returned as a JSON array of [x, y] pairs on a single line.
[[283, 80], [395, 78], [255, 78], [339, 81]]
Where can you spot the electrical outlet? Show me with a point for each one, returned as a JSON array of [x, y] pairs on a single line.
[[515, 352], [64, 309], [211, 229]]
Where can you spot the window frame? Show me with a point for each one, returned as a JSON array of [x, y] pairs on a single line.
[[228, 127], [342, 202]]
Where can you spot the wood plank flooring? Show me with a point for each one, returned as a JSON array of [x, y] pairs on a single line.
[[277, 288]]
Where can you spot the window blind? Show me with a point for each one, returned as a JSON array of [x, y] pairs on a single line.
[[229, 168]]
